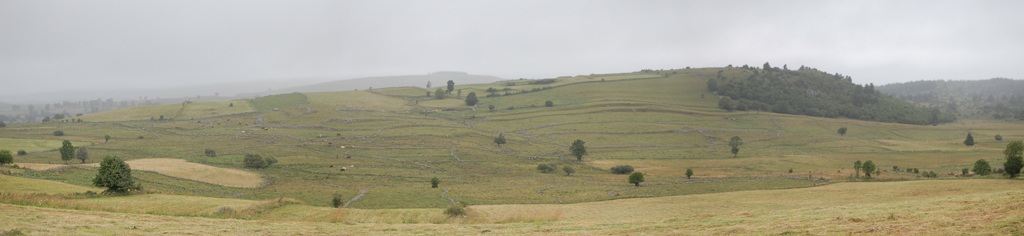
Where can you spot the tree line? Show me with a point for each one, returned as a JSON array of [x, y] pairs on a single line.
[[808, 91]]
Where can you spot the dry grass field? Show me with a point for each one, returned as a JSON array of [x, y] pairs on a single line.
[[184, 169]]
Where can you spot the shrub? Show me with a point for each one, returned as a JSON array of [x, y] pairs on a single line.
[[5, 157], [790, 170], [58, 133], [254, 161], [115, 175], [434, 182], [455, 210], [999, 137], [336, 201], [547, 168], [491, 107], [270, 161], [140, 137], [210, 153], [981, 167], [549, 103], [22, 152], [471, 99], [623, 169], [82, 154]]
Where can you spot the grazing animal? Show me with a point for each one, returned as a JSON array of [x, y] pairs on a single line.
[[332, 166], [339, 134], [330, 143], [343, 169], [349, 157]]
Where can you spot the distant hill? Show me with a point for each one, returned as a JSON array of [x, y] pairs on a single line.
[[437, 79], [997, 98], [812, 92]]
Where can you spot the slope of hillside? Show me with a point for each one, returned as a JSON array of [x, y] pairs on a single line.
[[997, 98], [437, 80]]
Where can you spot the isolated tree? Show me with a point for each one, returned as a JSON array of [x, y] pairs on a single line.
[[735, 143], [114, 174], [868, 168], [434, 182], [981, 167], [856, 167], [549, 103], [568, 170], [970, 140], [500, 139], [253, 161], [842, 131], [106, 138], [439, 93], [336, 201], [999, 137], [636, 178], [623, 169], [471, 99], [428, 84], [6, 157], [689, 172], [210, 152], [578, 150], [451, 86], [82, 154], [459, 93], [490, 107], [67, 152], [1014, 161], [58, 133]]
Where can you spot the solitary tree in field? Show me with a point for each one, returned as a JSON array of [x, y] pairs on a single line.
[[970, 140], [471, 99], [67, 152], [106, 138], [856, 167], [868, 167], [735, 143], [82, 154], [578, 150], [549, 103], [999, 137], [428, 84], [451, 86], [500, 139], [689, 172], [6, 157], [842, 130], [981, 167], [114, 174], [336, 201], [636, 178], [568, 170], [434, 182], [490, 107], [210, 152], [439, 93], [1014, 161]]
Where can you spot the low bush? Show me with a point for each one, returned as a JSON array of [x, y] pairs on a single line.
[[210, 153], [547, 168], [455, 210], [336, 201], [623, 169], [22, 152], [58, 133]]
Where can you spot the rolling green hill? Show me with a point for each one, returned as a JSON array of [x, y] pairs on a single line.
[[392, 141]]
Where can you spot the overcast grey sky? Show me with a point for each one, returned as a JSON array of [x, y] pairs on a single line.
[[59, 45]]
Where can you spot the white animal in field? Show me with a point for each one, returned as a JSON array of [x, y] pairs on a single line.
[[342, 147]]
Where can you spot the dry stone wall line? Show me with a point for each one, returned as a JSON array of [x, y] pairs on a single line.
[[361, 194], [449, 198], [773, 121]]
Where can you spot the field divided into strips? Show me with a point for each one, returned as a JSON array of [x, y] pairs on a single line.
[[188, 110], [391, 146]]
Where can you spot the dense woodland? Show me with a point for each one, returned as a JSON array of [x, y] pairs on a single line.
[[812, 92], [998, 98]]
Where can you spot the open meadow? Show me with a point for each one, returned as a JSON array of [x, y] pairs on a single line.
[[377, 151]]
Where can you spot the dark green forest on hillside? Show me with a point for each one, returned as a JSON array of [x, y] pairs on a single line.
[[809, 91], [998, 98]]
